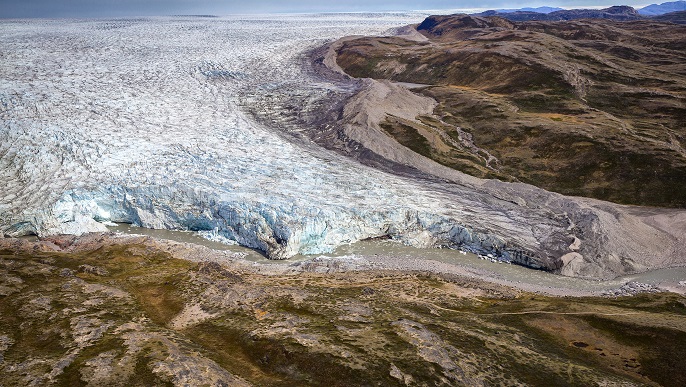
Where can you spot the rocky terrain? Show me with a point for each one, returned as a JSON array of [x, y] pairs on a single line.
[[129, 311], [586, 108]]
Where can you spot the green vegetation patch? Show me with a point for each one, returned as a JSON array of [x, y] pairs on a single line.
[[364, 328]]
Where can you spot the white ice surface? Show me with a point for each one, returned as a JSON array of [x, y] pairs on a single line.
[[138, 120]]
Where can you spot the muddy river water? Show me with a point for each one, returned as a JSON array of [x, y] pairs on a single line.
[[391, 254]]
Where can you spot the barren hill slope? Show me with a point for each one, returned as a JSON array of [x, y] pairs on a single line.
[[591, 108], [127, 311]]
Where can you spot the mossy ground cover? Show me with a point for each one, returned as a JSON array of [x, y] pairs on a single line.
[[365, 328]]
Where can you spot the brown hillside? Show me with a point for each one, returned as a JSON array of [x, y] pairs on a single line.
[[593, 108]]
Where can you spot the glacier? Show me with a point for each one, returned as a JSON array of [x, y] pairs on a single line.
[[140, 121], [195, 123]]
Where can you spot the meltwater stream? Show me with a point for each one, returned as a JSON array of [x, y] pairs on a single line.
[[392, 254]]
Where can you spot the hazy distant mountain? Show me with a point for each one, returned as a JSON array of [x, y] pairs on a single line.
[[529, 9], [660, 9], [621, 12]]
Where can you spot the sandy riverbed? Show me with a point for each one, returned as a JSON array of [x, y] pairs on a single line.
[[390, 255]]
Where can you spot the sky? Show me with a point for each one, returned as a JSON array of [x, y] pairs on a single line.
[[122, 8]]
